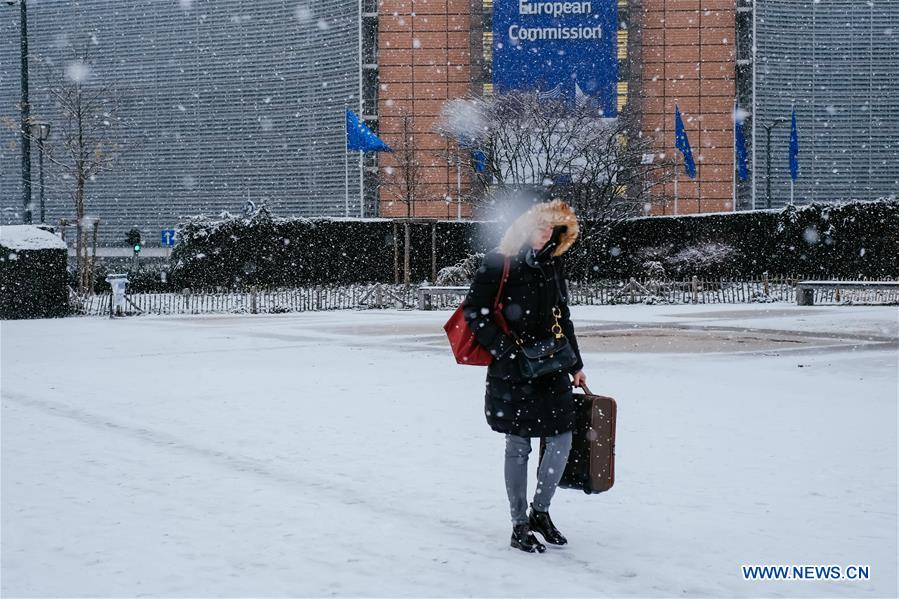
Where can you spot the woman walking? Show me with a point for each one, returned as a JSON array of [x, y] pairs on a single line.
[[519, 404]]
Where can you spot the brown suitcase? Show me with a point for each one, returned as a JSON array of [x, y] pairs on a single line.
[[591, 463]]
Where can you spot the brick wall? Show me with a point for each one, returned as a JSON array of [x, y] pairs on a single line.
[[688, 59], [424, 59]]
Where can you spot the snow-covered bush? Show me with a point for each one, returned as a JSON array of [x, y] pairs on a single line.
[[33, 274], [265, 251], [460, 273], [654, 271], [851, 240], [702, 257], [760, 297]]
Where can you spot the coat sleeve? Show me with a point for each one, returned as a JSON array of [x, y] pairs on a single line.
[[567, 325], [478, 307]]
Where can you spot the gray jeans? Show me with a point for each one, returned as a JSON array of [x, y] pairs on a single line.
[[548, 474]]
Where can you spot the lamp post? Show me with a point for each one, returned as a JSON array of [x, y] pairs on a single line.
[[41, 131], [24, 107], [459, 187], [768, 129]]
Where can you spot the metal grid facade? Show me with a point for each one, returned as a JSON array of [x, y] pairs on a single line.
[[838, 61], [221, 101]]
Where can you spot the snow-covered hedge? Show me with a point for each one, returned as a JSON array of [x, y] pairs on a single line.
[[277, 252], [33, 280], [857, 239], [850, 240]]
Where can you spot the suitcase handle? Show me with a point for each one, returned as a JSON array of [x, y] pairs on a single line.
[[586, 389]]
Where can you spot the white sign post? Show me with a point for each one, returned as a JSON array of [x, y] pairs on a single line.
[[118, 282]]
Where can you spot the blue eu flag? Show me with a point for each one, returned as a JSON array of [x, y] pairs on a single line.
[[740, 142], [683, 144], [794, 148], [360, 137], [479, 160]]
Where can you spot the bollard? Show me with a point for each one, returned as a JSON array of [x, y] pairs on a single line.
[[805, 296]]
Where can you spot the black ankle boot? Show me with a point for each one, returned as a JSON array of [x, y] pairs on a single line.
[[524, 539], [542, 523]]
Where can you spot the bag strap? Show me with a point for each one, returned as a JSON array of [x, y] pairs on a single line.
[[502, 283], [503, 325], [556, 328]]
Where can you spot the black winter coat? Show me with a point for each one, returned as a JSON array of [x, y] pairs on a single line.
[[529, 408]]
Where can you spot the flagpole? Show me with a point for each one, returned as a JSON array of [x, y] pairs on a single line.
[[794, 143], [754, 87], [362, 118], [361, 191], [676, 177], [459, 187], [346, 166]]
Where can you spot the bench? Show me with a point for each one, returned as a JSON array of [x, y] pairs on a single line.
[[426, 292], [805, 290]]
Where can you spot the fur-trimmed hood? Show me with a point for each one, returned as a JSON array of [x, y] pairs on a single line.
[[554, 213]]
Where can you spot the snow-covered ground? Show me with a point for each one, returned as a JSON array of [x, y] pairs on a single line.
[[345, 454]]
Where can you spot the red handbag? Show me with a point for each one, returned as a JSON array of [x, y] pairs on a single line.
[[465, 346]]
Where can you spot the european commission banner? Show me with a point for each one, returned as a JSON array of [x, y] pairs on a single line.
[[562, 49]]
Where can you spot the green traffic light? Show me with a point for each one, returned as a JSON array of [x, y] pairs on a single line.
[[136, 248]]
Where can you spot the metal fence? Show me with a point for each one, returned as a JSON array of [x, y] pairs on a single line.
[[254, 301], [721, 291], [632, 291], [693, 291]]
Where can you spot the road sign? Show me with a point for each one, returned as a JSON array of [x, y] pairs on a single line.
[[168, 238]]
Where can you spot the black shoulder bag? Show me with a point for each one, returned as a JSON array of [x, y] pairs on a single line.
[[547, 356]]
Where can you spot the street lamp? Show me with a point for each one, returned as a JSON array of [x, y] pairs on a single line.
[[459, 186], [768, 129], [26, 140], [41, 131]]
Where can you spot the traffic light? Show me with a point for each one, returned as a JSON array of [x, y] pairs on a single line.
[[133, 239]]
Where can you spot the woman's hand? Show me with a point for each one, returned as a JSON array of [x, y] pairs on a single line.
[[580, 379]]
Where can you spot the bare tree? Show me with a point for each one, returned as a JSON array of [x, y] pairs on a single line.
[[599, 165], [404, 178], [404, 182], [87, 115], [620, 173]]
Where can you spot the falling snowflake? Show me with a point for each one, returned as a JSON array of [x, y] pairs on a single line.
[[77, 71], [303, 13]]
